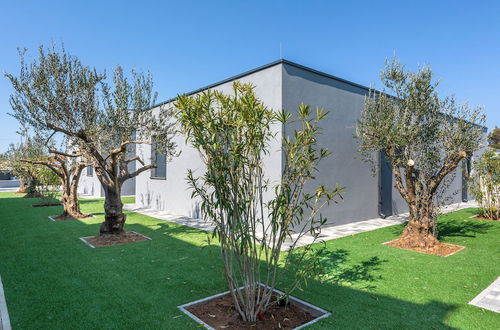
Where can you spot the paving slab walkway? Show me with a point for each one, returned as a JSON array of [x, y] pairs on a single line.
[[9, 189], [327, 232], [87, 196], [489, 298], [338, 231], [163, 215], [4, 314]]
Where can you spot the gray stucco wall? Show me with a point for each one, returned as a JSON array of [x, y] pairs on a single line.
[[450, 192], [173, 194], [344, 102], [285, 86], [344, 166]]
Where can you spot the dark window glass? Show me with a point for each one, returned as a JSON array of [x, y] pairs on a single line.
[[160, 172], [90, 170]]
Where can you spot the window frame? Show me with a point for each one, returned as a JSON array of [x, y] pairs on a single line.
[[154, 157], [89, 167]]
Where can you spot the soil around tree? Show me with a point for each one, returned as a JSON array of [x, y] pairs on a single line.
[[47, 204], [35, 194], [114, 239], [439, 249], [220, 313], [481, 217], [63, 217]]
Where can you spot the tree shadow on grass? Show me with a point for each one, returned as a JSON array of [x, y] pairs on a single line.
[[454, 227], [463, 228], [169, 229], [352, 308], [335, 267], [90, 200]]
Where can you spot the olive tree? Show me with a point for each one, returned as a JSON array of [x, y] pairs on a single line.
[[424, 137], [233, 135], [67, 167], [29, 149], [47, 185], [485, 184], [494, 138], [101, 117]]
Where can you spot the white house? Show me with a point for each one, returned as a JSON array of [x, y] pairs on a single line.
[[285, 85]]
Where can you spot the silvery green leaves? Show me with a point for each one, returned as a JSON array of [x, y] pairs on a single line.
[[234, 134], [102, 117], [55, 90], [485, 184], [423, 135]]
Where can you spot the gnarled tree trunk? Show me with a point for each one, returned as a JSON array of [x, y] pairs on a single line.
[[31, 190], [112, 174], [69, 197], [69, 178], [22, 186], [114, 219], [420, 232]]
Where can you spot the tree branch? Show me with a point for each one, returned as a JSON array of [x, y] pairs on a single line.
[[137, 158], [136, 173], [60, 129], [121, 148], [54, 167], [53, 151], [450, 164]]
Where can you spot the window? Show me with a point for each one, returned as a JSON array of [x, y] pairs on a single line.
[[90, 170], [160, 172]]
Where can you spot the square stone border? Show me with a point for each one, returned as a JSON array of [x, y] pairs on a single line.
[[4, 313], [51, 217], [429, 254], [83, 239], [313, 310], [475, 302]]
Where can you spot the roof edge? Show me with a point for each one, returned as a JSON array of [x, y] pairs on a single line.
[[238, 76], [271, 64], [260, 68]]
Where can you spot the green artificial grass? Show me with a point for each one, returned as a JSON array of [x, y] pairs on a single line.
[[52, 280]]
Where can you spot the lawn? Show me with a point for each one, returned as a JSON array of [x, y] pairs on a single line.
[[54, 281]]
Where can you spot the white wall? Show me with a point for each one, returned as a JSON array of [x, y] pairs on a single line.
[[287, 86], [173, 194], [90, 185]]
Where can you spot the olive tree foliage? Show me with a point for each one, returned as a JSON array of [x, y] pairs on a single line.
[[485, 184], [32, 148], [47, 185], [494, 138], [233, 134], [67, 169], [424, 137], [100, 117]]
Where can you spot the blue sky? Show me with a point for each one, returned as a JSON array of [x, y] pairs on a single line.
[[189, 44]]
